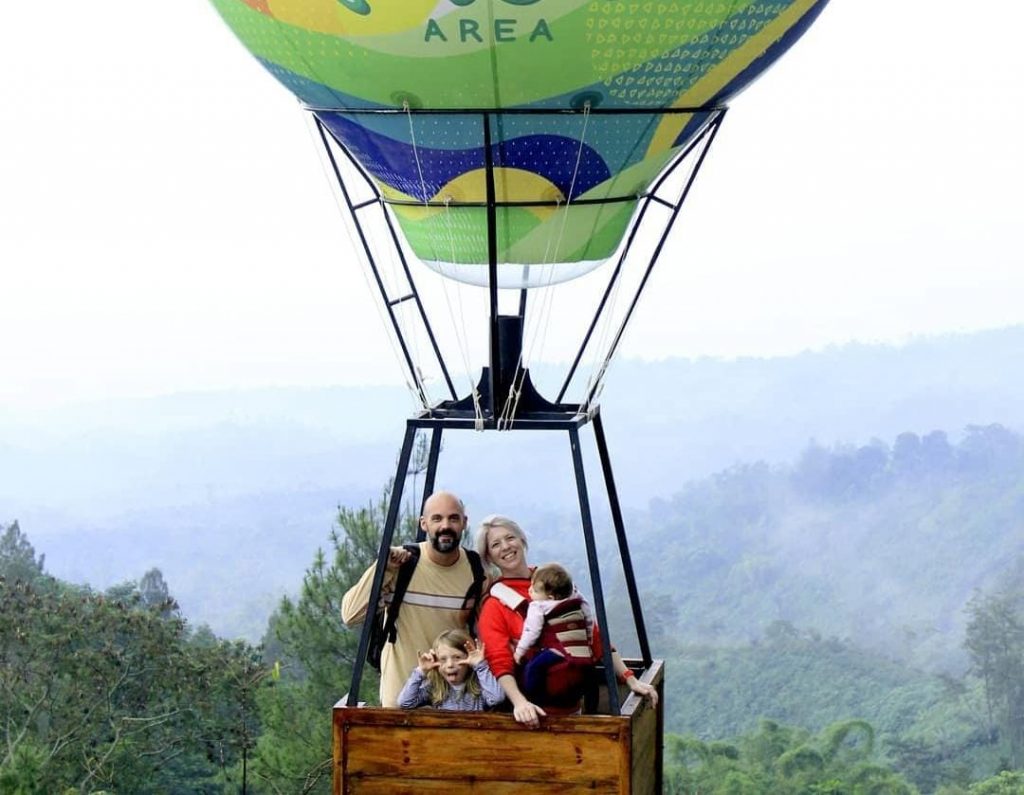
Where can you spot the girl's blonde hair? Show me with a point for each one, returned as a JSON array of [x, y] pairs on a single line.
[[439, 686]]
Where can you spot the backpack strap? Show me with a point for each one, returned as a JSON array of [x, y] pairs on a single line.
[[476, 565], [472, 598], [405, 571], [401, 586]]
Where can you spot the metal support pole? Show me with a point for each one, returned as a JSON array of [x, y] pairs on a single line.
[[432, 457], [495, 398], [595, 574], [651, 197], [371, 260], [368, 251], [428, 481], [713, 131], [394, 505], [620, 535]]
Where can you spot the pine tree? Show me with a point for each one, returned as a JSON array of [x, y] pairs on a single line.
[[18, 557], [315, 654]]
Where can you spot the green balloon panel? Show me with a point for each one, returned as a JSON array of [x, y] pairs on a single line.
[[550, 170]]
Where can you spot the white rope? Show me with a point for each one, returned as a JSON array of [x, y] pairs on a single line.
[[397, 282], [599, 363], [415, 152], [459, 327], [596, 363], [539, 328], [348, 218], [602, 362], [416, 387], [419, 171], [430, 238], [478, 412], [461, 340], [575, 172]]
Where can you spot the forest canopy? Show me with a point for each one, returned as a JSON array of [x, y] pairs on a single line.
[[781, 593]]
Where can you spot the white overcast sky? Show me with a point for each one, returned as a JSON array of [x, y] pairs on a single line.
[[165, 224]]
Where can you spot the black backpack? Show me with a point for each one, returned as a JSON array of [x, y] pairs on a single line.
[[383, 628]]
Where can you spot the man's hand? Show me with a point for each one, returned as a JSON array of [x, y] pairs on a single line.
[[397, 556]]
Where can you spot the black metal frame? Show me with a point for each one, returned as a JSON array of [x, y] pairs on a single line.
[[499, 379], [498, 391], [570, 424]]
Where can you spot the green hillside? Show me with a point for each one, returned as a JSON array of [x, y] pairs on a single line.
[[880, 544]]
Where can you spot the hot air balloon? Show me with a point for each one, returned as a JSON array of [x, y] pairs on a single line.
[[512, 145], [565, 184]]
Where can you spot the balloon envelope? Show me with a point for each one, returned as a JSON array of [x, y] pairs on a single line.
[[565, 185]]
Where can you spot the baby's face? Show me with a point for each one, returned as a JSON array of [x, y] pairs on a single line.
[[451, 664], [537, 593]]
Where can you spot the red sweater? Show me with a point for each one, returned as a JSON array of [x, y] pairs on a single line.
[[499, 628]]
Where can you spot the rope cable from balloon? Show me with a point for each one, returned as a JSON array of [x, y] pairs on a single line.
[[498, 403]]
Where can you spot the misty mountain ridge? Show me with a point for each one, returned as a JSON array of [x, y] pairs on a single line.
[[881, 545], [230, 492], [667, 422]]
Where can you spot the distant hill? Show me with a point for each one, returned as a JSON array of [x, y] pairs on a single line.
[[675, 420], [795, 679], [876, 544], [229, 493]]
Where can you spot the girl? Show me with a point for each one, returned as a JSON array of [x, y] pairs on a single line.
[[453, 675]]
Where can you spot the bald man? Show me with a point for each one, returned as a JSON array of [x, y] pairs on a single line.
[[435, 600]]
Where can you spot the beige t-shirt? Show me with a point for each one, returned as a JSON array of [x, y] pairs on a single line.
[[432, 604]]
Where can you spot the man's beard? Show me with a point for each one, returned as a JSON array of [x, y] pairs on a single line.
[[445, 541]]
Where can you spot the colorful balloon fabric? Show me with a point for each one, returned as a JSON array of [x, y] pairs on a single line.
[[565, 184]]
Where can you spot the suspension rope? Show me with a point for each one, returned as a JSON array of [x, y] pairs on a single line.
[[538, 329], [416, 390], [416, 152], [602, 363], [575, 171], [596, 372], [461, 340], [461, 336]]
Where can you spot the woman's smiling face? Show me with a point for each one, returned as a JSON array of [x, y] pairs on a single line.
[[506, 551]]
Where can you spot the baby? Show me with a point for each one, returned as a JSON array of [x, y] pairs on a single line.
[[559, 621]]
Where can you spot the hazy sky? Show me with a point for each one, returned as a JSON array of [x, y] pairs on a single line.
[[165, 223]]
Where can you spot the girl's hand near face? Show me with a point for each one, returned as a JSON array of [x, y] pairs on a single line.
[[474, 654], [427, 661]]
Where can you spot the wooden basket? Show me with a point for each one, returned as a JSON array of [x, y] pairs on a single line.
[[400, 752]]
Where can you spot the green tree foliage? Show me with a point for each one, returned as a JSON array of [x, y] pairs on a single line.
[[869, 542], [795, 677], [108, 693], [18, 557], [316, 654], [935, 758], [995, 640], [155, 594], [781, 760], [1006, 783]]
